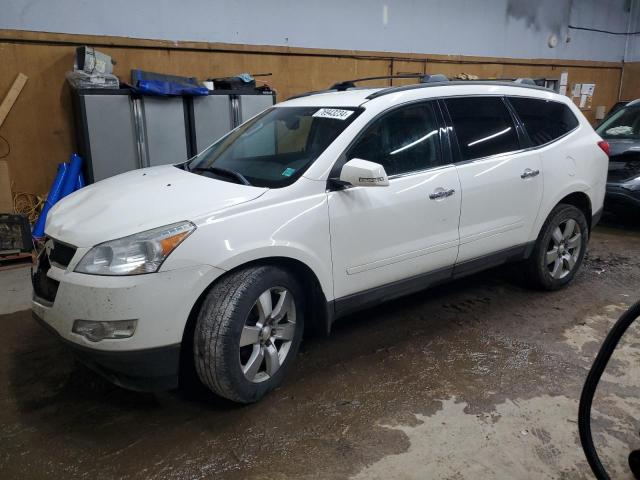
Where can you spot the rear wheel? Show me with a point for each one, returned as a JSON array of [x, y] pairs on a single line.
[[560, 248], [248, 332]]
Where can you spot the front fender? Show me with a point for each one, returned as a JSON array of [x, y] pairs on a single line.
[[321, 270], [281, 223]]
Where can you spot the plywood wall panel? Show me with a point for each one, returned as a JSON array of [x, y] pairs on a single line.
[[631, 81], [39, 126], [607, 86], [399, 67]]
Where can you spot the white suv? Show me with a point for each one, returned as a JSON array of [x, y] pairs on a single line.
[[319, 206]]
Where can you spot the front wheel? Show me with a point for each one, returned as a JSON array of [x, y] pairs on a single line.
[[248, 332], [559, 249]]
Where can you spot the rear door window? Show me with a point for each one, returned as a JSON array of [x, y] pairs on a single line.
[[544, 120], [483, 126]]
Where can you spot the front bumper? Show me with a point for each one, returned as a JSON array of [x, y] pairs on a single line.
[[160, 302], [149, 370]]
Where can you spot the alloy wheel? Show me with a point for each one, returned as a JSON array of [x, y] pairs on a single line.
[[563, 249], [267, 334]]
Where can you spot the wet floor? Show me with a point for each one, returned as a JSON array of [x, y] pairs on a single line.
[[476, 379]]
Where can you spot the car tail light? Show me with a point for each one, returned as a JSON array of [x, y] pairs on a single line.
[[604, 146]]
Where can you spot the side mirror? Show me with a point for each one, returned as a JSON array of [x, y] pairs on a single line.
[[362, 173]]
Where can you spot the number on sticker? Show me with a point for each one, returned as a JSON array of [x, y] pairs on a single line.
[[335, 113]]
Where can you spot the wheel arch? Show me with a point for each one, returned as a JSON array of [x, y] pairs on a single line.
[[317, 314], [318, 311], [577, 197], [581, 201]]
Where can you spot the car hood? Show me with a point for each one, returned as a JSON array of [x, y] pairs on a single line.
[[140, 200], [624, 161]]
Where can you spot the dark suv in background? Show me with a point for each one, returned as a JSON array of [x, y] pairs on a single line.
[[622, 130]]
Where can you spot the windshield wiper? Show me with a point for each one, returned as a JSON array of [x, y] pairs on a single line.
[[224, 173]]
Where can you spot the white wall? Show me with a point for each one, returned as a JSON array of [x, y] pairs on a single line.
[[501, 28]]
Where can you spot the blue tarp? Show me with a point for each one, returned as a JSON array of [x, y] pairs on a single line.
[[149, 83]]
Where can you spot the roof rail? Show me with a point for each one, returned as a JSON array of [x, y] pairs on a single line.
[[424, 78], [523, 84], [350, 84]]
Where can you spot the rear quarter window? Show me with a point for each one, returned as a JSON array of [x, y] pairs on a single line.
[[544, 120]]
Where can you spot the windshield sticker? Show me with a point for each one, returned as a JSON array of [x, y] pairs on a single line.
[[288, 172], [335, 113]]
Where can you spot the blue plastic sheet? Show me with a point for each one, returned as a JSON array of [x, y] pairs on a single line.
[[71, 178], [68, 179], [149, 83], [80, 182], [245, 77]]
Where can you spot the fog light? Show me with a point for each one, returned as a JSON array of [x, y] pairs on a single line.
[[96, 331]]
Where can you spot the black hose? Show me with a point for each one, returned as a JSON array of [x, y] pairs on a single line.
[[589, 389]]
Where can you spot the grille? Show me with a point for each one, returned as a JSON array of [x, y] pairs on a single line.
[[61, 254], [43, 286]]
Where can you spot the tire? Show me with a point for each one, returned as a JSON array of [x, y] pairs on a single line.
[[547, 271], [237, 310]]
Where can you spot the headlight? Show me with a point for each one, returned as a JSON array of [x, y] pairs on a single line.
[[140, 253]]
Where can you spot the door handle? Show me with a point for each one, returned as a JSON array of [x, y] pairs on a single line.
[[528, 173], [442, 193]]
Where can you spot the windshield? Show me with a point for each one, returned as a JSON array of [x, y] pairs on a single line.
[[624, 124], [275, 148]]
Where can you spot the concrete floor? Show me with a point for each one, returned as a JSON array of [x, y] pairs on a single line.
[[15, 290], [476, 379]]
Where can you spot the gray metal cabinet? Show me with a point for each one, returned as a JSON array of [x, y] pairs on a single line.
[[165, 130], [218, 113], [106, 133], [118, 131], [212, 119], [251, 105]]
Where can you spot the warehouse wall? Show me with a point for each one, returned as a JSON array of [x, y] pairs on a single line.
[[630, 89], [632, 47], [630, 85], [40, 128], [497, 28], [307, 45]]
